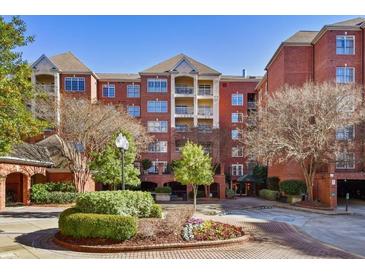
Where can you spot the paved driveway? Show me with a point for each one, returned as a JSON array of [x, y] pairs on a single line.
[[27, 233]]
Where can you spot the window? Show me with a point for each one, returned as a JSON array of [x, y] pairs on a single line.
[[156, 85], [134, 111], [75, 84], [237, 99], [157, 126], [155, 165], [159, 146], [109, 90], [133, 91], [345, 160], [236, 170], [237, 117], [235, 134], [237, 151], [345, 44], [345, 133], [157, 106], [345, 75]]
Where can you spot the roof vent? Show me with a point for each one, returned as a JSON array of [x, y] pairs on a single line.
[[244, 73]]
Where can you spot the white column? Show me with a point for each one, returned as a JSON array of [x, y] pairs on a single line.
[[216, 103], [172, 105], [57, 97], [196, 100]]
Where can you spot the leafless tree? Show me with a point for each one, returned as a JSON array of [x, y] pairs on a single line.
[[299, 124], [85, 129]]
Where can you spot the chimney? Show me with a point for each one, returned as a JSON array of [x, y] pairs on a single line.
[[244, 73]]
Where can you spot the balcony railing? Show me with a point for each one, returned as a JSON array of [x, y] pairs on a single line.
[[50, 88], [251, 105], [182, 128], [203, 111], [184, 90], [205, 129], [205, 91], [184, 110]]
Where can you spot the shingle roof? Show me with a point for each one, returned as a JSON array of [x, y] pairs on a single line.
[[118, 76], [355, 22], [28, 154], [302, 36], [171, 63], [68, 62], [241, 78]]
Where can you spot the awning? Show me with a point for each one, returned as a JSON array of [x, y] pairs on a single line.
[[250, 178]]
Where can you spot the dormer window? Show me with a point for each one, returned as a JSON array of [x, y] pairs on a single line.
[[75, 84]]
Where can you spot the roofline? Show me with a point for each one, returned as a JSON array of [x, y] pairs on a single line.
[[120, 79], [329, 27], [40, 58], [16, 160], [228, 79], [264, 78]]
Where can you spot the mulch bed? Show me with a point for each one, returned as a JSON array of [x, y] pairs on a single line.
[[313, 205]]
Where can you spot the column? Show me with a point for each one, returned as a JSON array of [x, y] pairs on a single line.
[[172, 105], [57, 97], [216, 103], [195, 100], [26, 184], [2, 192]]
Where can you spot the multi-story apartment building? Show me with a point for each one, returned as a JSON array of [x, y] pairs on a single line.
[[335, 53], [179, 99]]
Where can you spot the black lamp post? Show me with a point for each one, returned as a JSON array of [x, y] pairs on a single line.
[[122, 143]]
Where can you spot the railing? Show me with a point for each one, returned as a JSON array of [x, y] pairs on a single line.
[[46, 87], [205, 111], [184, 90], [251, 105], [205, 91], [205, 129], [184, 110], [182, 128]]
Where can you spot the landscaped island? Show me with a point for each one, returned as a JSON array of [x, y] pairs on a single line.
[[130, 220]]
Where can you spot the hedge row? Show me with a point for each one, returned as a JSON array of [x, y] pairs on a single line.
[[53, 193], [269, 194], [293, 187], [89, 225], [133, 203]]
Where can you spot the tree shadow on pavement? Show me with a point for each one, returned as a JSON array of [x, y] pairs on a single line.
[[39, 239], [29, 214]]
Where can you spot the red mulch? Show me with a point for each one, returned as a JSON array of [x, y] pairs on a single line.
[[313, 205]]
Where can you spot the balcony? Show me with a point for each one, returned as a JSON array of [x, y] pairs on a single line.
[[205, 129], [184, 110], [205, 111], [205, 91], [251, 105], [183, 90], [182, 128], [49, 88]]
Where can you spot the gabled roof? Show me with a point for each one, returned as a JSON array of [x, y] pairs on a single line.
[[170, 64], [355, 22], [303, 36], [118, 76], [68, 62], [29, 154]]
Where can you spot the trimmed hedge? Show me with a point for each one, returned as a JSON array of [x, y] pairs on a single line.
[[273, 183], [268, 194], [89, 225], [53, 193], [156, 211], [163, 189], [126, 202], [293, 187]]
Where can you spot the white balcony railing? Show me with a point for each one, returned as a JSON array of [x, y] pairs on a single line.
[[184, 90], [182, 128], [205, 91], [251, 105], [205, 128], [50, 88], [204, 111], [182, 110]]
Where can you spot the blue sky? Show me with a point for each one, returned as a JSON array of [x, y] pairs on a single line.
[[133, 43]]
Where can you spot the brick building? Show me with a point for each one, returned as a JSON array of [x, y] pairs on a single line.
[[336, 52], [177, 100]]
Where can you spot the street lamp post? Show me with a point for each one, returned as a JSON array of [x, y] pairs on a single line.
[[122, 143]]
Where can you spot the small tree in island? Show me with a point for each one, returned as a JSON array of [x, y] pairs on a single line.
[[194, 168], [106, 165], [299, 124]]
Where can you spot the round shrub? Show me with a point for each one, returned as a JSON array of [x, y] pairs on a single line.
[[134, 203], [293, 187], [269, 194], [273, 183], [163, 189], [156, 211], [89, 225], [230, 193]]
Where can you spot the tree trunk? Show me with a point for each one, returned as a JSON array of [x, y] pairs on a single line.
[[309, 171], [195, 192]]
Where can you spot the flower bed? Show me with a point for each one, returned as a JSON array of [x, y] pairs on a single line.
[[199, 230]]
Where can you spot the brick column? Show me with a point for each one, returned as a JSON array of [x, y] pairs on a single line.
[[2, 192], [222, 190], [26, 189]]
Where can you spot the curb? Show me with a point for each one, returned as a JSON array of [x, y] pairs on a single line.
[[101, 249], [310, 210]]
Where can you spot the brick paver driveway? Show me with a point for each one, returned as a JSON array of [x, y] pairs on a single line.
[[27, 232]]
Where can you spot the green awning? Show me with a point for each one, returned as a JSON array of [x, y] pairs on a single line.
[[250, 178]]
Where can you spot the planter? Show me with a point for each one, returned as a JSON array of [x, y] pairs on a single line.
[[292, 199], [163, 197]]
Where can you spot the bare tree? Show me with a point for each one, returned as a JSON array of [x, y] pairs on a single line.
[[85, 129], [299, 124]]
